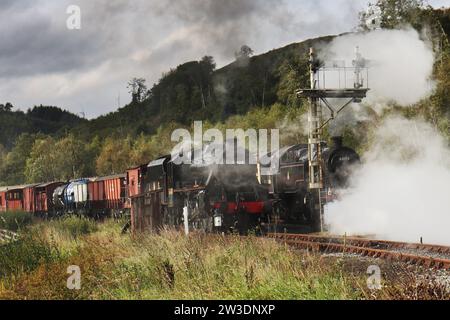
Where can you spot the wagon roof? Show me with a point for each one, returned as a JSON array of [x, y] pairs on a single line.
[[19, 187], [30, 185], [81, 180], [44, 185], [111, 177], [138, 167]]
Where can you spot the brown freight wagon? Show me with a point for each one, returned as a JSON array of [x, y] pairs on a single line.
[[107, 194], [29, 204], [115, 191], [43, 197], [14, 198], [147, 207], [3, 199], [135, 182], [96, 194]]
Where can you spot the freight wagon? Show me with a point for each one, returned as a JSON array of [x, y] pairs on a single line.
[[107, 195]]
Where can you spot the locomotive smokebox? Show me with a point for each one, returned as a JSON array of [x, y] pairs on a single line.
[[338, 141]]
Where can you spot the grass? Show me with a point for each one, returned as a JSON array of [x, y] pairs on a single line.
[[72, 226], [24, 255], [170, 265], [15, 220]]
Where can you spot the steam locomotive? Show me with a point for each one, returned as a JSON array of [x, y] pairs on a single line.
[[292, 207], [200, 195]]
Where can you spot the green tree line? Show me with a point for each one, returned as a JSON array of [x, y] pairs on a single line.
[[47, 143]]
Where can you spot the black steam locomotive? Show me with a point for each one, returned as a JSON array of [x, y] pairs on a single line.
[[199, 195], [292, 207], [229, 197]]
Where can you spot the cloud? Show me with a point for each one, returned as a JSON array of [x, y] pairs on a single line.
[[122, 39]]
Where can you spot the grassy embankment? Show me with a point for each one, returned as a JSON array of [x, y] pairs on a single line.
[[171, 266]]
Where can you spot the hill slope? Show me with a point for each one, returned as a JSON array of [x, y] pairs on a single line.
[[40, 119], [196, 91]]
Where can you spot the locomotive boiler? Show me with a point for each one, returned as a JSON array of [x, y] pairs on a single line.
[[292, 207]]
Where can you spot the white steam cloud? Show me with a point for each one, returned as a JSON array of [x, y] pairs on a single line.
[[401, 192], [400, 71], [401, 64]]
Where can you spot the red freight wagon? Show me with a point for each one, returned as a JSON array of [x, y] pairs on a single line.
[[3, 199], [135, 186], [115, 191], [107, 193], [29, 198], [96, 194], [44, 196], [135, 179], [14, 198]]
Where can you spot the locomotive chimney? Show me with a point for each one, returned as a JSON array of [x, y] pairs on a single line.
[[337, 141]]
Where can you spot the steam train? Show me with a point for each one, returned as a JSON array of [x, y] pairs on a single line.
[[202, 195], [292, 207]]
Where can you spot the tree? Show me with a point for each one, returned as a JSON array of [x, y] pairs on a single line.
[[389, 14], [293, 74], [208, 64], [13, 167], [243, 56], [143, 150], [3, 153], [6, 107], [138, 89], [146, 148], [114, 158], [42, 164], [57, 160], [71, 157], [91, 153], [244, 53], [202, 77]]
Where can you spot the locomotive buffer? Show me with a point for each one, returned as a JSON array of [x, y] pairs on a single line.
[[319, 95]]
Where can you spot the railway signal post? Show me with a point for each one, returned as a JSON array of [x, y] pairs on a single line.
[[319, 95]]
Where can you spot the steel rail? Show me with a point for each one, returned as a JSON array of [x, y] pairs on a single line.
[[368, 247]]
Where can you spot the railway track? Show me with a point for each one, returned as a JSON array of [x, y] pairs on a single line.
[[7, 236], [430, 256]]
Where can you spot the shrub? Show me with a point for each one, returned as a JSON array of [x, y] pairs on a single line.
[[15, 220], [25, 255], [74, 226]]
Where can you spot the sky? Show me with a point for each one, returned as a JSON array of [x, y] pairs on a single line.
[[86, 70]]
